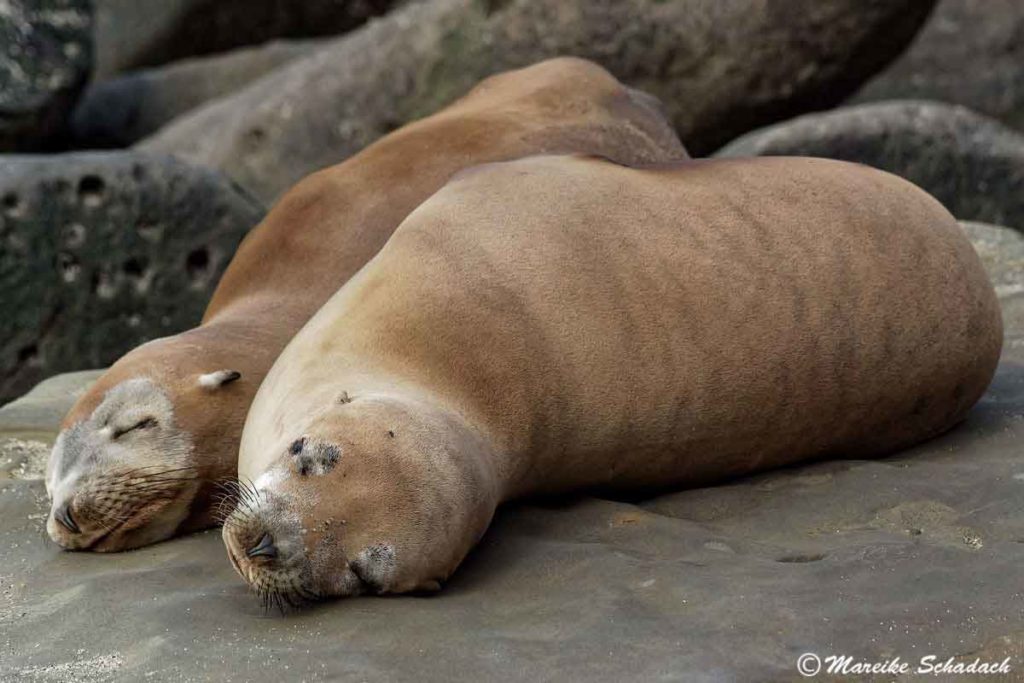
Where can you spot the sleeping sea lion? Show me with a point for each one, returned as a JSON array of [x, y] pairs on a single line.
[[138, 457], [561, 323]]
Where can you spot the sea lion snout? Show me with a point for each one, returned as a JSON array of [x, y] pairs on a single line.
[[269, 546], [120, 476], [379, 494]]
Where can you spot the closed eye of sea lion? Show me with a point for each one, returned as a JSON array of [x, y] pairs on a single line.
[[563, 323], [115, 493]]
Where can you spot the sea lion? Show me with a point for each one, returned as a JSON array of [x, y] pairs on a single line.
[[561, 323], [138, 456]]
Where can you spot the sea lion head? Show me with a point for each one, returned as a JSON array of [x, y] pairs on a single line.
[[372, 495], [125, 470]]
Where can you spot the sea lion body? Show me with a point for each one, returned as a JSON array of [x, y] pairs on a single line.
[[139, 455], [564, 323]]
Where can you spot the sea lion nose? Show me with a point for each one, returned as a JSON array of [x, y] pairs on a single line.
[[265, 548], [62, 514]]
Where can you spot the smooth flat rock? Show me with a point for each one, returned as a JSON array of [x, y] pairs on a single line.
[[100, 252], [42, 409], [720, 67], [971, 163], [45, 58], [913, 555], [119, 111], [970, 52], [139, 33]]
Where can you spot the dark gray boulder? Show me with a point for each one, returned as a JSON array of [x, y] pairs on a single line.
[[971, 163], [141, 33], [120, 111], [719, 68], [45, 58], [971, 52], [100, 252]]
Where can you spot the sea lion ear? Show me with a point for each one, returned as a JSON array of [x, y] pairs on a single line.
[[215, 380]]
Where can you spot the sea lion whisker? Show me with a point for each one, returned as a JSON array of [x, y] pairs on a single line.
[[154, 471], [237, 519], [159, 477]]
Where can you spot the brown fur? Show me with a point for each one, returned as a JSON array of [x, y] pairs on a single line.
[[563, 323], [331, 224]]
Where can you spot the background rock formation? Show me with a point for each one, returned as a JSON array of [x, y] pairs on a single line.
[[122, 110], [140, 33], [45, 57], [101, 252], [721, 67], [970, 53], [972, 164]]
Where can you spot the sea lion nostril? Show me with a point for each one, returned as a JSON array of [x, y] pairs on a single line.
[[264, 548], [63, 515]]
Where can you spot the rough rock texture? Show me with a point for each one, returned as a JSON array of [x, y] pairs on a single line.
[[1002, 253], [721, 67], [970, 52], [100, 252], [120, 111], [913, 555], [138, 33], [45, 57], [969, 162]]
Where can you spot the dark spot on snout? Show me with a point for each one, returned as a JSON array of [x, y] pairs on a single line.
[[391, 433], [297, 446], [331, 456], [317, 459], [373, 566]]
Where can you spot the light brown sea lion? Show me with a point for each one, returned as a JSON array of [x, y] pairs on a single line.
[[563, 323], [138, 456]]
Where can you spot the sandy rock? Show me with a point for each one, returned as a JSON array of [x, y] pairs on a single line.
[[102, 251], [140, 33], [20, 459], [970, 52], [45, 58], [969, 162], [120, 111], [719, 66]]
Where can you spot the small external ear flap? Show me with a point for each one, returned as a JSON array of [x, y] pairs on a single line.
[[215, 380]]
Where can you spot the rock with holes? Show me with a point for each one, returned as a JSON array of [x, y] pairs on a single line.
[[720, 68], [971, 52], [45, 58], [100, 252], [969, 162], [119, 111], [138, 33]]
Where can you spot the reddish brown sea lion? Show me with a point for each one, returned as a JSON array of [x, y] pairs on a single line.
[[563, 323], [138, 456]]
